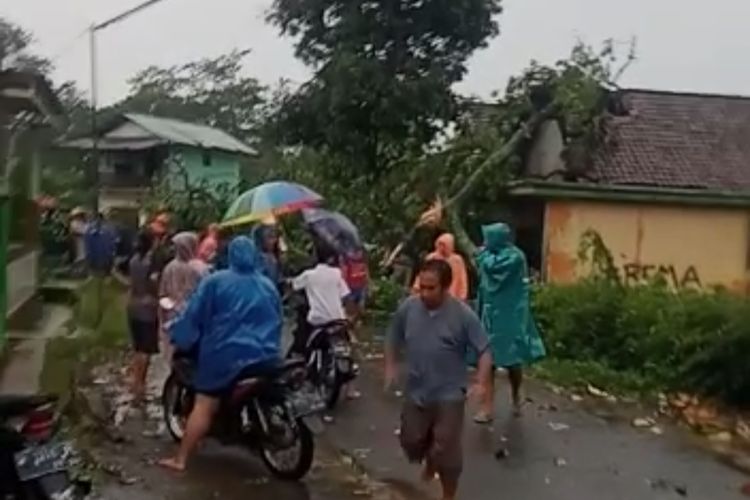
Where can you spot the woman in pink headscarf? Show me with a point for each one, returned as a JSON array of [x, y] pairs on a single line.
[[445, 249], [182, 275], [209, 244]]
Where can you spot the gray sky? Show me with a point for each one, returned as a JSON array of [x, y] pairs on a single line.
[[682, 44]]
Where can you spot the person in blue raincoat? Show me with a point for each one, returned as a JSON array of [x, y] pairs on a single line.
[[234, 322], [504, 307]]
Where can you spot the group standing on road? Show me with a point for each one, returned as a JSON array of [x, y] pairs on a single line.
[[232, 319]]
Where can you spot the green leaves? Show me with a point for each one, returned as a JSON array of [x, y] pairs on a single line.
[[210, 90], [384, 71]]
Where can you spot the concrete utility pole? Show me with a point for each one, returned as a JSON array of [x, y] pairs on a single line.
[[94, 168]]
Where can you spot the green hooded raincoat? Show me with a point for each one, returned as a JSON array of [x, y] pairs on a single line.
[[504, 301]]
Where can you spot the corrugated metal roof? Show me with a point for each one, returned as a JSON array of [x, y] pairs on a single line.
[[107, 145], [191, 134]]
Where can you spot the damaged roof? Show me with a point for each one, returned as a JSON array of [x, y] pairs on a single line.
[[677, 140]]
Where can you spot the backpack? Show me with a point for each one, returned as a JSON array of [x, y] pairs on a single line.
[[354, 270]]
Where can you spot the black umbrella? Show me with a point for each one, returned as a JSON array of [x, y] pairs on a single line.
[[334, 229]]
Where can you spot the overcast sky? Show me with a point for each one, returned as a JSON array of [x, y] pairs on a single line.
[[682, 44]]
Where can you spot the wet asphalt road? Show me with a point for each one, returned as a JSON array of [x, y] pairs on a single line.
[[221, 473], [598, 457], [592, 453], [127, 464]]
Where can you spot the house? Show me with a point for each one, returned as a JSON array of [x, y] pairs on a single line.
[[667, 190], [136, 151], [28, 106]]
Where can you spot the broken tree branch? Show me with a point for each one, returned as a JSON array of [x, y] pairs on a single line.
[[453, 204]]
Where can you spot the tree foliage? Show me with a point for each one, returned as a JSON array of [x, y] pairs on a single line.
[[384, 71], [15, 50], [213, 91]]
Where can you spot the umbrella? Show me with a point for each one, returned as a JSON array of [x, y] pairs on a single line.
[[270, 199], [333, 228]]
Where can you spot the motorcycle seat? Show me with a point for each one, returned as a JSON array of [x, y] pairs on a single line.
[[338, 323], [255, 372], [12, 405]]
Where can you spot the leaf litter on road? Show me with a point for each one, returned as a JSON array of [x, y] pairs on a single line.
[[558, 426], [662, 484]]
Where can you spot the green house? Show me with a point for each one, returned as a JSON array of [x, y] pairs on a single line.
[[136, 151]]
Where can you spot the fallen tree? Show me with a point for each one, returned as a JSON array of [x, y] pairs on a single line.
[[575, 92]]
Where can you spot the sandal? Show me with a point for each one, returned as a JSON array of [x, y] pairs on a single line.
[[483, 418]]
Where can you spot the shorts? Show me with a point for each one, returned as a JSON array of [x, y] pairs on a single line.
[[144, 335], [358, 296], [433, 432]]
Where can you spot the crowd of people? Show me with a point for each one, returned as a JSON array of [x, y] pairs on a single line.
[[224, 298]]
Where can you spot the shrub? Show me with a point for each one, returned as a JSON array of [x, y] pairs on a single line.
[[687, 340]]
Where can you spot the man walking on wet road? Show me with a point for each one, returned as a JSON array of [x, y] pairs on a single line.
[[436, 331]]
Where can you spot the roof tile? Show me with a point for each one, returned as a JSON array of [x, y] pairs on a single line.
[[678, 141]]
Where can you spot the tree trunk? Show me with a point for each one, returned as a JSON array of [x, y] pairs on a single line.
[[452, 206]]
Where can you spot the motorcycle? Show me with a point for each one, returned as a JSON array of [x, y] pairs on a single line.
[[271, 411], [33, 465], [327, 352]]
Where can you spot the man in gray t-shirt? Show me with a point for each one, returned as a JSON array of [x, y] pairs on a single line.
[[436, 332]]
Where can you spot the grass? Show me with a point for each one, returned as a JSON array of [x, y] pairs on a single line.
[[579, 374]]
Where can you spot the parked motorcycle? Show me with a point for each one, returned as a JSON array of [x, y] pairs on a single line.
[[327, 352], [33, 465], [271, 411]]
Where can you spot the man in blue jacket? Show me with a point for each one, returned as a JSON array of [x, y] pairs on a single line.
[[234, 322]]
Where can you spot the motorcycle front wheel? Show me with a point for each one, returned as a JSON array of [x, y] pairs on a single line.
[[294, 461], [176, 406]]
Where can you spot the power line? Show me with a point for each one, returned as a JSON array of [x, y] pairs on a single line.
[[69, 45], [125, 15]]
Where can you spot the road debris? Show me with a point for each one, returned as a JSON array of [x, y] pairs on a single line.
[[662, 484], [558, 426], [643, 422], [657, 430], [576, 398], [502, 453], [560, 462], [596, 392], [721, 437]]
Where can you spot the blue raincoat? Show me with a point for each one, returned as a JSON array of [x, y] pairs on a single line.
[[233, 319], [503, 300]]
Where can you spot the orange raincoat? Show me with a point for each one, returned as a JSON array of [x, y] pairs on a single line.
[[445, 249]]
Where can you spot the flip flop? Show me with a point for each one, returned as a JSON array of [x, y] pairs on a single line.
[[482, 419]]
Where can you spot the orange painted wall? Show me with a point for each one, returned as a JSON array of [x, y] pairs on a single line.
[[689, 246]]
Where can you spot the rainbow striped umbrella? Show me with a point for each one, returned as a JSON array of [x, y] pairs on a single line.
[[270, 200]]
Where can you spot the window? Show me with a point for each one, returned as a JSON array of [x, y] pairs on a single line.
[[206, 158]]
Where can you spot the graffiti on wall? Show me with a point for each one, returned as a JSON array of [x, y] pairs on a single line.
[[678, 277]]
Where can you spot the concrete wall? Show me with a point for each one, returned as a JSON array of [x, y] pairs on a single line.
[[689, 246], [544, 159], [22, 274]]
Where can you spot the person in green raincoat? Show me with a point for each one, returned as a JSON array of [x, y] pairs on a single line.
[[504, 307]]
